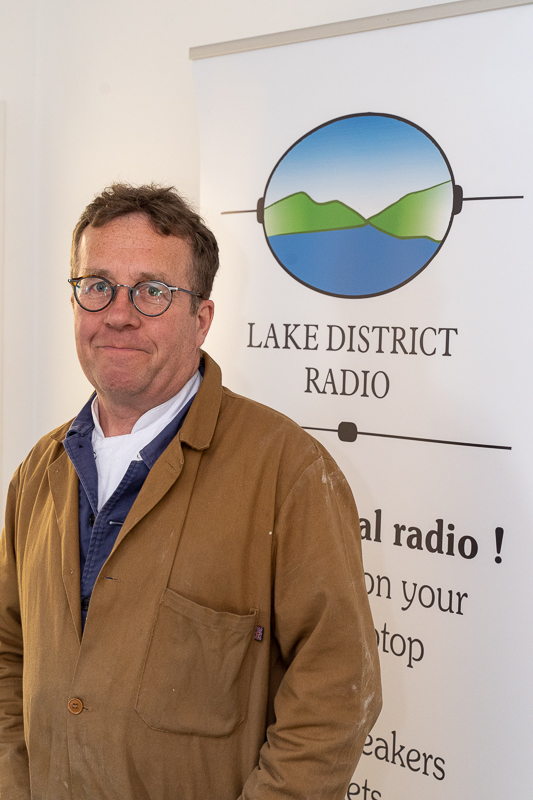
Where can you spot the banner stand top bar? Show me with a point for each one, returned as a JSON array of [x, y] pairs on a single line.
[[425, 14]]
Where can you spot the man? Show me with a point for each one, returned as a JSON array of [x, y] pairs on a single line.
[[182, 607]]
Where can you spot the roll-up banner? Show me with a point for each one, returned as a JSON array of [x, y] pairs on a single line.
[[372, 196]]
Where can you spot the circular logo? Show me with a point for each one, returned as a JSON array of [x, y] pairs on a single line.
[[360, 205]]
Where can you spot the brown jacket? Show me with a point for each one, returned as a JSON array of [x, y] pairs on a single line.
[[245, 526]]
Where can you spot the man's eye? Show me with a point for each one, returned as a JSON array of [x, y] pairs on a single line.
[[100, 287], [153, 291]]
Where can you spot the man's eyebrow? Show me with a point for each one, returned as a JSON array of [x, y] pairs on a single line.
[[140, 277], [149, 276], [99, 273]]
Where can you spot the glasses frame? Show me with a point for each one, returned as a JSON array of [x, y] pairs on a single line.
[[74, 283]]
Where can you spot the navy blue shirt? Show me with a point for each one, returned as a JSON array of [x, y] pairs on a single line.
[[99, 530]]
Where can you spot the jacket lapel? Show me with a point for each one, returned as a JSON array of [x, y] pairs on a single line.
[[63, 483], [196, 434], [159, 481]]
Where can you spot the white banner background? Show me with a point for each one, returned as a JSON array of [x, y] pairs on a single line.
[[463, 710]]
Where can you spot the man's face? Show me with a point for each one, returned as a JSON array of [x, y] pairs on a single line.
[[133, 361]]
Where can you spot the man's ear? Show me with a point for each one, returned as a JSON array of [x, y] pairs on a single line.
[[204, 318]]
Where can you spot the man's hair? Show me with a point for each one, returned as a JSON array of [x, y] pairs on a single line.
[[169, 214]]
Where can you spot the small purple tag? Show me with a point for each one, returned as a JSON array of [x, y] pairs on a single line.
[[258, 633]]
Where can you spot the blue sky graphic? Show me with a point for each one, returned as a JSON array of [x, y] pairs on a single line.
[[367, 162]]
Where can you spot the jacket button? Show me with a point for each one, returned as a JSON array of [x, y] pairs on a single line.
[[75, 706]]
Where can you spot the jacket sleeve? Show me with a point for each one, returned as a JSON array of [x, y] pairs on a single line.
[[14, 770], [330, 694]]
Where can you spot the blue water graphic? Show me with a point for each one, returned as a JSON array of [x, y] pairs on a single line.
[[356, 262]]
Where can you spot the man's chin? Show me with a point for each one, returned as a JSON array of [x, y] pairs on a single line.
[[118, 385], [118, 389]]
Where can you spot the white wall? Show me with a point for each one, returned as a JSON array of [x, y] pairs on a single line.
[[95, 91]]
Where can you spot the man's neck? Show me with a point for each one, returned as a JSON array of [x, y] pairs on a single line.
[[117, 421]]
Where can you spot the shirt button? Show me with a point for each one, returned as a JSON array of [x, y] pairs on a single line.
[[75, 706], [85, 603]]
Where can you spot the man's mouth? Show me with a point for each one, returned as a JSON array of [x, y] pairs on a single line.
[[120, 348]]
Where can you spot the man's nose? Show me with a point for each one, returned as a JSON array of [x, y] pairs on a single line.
[[121, 311]]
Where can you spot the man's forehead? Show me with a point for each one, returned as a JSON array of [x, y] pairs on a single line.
[[133, 237]]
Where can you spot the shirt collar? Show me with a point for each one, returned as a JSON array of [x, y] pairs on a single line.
[[83, 423]]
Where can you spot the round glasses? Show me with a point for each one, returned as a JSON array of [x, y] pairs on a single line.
[[151, 298]]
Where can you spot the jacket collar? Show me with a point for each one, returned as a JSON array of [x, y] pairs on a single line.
[[199, 426]]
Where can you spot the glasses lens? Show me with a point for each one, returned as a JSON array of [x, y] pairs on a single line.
[[93, 293], [152, 297]]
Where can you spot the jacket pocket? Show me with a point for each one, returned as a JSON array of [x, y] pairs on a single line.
[[196, 676]]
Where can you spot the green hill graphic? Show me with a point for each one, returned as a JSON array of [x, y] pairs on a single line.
[[422, 214], [418, 214], [299, 213]]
